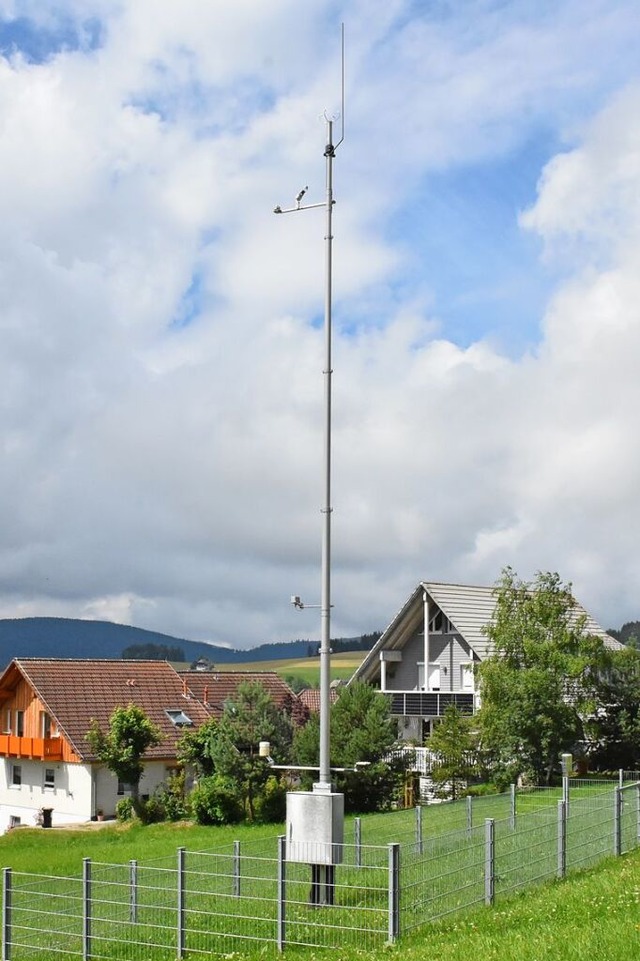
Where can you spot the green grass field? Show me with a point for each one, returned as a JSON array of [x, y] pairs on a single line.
[[306, 669], [590, 917]]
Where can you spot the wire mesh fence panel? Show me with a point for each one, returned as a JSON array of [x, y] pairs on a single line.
[[134, 915], [46, 917], [528, 854], [529, 799], [630, 817], [447, 877], [338, 906], [225, 908], [590, 829]]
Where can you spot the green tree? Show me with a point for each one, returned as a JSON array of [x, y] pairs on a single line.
[[614, 728], [361, 729], [194, 748], [234, 747], [537, 687], [131, 733], [454, 743]]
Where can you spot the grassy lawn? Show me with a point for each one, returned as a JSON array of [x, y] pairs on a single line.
[[592, 916]]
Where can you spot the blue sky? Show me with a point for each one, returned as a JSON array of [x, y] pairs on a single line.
[[161, 401]]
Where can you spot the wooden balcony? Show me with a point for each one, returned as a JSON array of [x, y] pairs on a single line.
[[428, 703], [34, 748]]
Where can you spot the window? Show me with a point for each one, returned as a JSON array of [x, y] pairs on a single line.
[[123, 788], [19, 723], [7, 723], [179, 718], [45, 724], [14, 821], [433, 681], [16, 775], [439, 624], [49, 779], [466, 677]]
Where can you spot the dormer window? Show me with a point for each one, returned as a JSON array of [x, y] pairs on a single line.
[[439, 624], [179, 718]]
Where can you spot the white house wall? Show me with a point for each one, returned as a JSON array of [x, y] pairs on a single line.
[[79, 791]]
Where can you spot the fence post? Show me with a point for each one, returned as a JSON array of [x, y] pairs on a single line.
[[394, 893], [282, 891], [236, 869], [638, 810], [357, 837], [562, 839], [6, 914], [133, 891], [489, 861], [617, 821], [512, 788], [181, 932], [419, 829], [86, 909], [469, 814], [565, 790]]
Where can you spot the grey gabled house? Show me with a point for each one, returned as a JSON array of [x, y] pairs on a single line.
[[425, 659]]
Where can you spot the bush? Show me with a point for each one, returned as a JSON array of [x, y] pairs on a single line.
[[124, 809], [151, 811], [272, 803], [215, 800], [172, 796]]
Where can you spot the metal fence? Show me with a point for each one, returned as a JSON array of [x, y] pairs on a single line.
[[397, 873]]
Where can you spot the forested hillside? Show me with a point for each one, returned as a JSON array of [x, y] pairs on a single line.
[[66, 637]]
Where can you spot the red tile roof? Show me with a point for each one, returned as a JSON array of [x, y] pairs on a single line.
[[74, 691], [215, 688], [311, 698]]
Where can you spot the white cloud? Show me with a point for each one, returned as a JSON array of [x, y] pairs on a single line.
[[161, 398]]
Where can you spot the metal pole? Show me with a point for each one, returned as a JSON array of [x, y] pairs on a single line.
[[357, 832], [469, 804], [513, 806], [282, 888], [419, 828], [86, 909], [489, 861], [6, 914], [236, 869], [133, 891], [617, 822], [181, 932], [638, 811], [324, 778], [562, 839], [394, 892]]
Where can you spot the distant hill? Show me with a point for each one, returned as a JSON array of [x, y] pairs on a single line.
[[66, 637]]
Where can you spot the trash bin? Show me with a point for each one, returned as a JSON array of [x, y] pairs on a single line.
[[46, 817]]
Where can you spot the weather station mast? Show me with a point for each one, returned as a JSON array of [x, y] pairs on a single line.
[[315, 819]]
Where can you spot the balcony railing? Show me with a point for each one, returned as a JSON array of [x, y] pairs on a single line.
[[428, 703], [36, 748]]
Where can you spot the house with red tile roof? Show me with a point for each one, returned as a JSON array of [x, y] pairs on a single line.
[[46, 709], [214, 689], [310, 697]]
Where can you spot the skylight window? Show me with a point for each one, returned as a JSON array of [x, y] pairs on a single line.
[[179, 718]]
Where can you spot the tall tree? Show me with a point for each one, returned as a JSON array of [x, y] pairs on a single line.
[[454, 743], [122, 747], [613, 731], [361, 729], [234, 747], [537, 687]]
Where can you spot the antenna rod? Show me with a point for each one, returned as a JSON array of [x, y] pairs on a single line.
[[324, 778]]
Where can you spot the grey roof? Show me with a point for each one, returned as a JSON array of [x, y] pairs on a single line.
[[468, 607]]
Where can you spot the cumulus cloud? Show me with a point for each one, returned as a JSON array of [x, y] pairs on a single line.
[[161, 398]]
